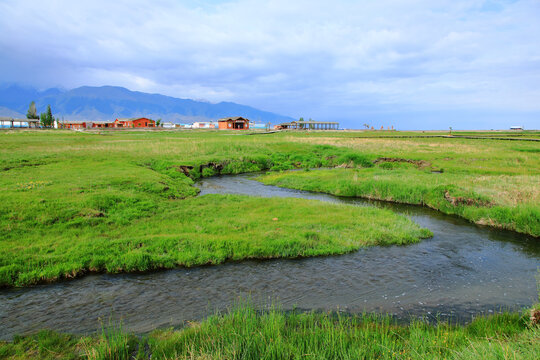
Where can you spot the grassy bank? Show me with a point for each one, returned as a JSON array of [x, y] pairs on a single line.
[[75, 202], [447, 193], [489, 182], [124, 231], [244, 333]]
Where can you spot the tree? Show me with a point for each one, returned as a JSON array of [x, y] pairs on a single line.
[[47, 119], [32, 113], [158, 122], [43, 119], [50, 118]]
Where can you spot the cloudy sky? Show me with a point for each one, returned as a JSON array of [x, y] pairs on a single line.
[[408, 63]]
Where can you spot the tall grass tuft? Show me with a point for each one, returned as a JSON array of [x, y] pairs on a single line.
[[112, 344], [244, 332]]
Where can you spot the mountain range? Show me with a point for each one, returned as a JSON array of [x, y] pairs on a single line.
[[111, 102]]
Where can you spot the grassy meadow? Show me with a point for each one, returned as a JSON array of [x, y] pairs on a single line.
[[243, 333], [489, 182], [73, 202], [480, 199], [78, 202]]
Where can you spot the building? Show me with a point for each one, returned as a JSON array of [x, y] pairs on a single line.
[[11, 123], [168, 125], [233, 123], [134, 122], [258, 126], [203, 125], [75, 125], [103, 124], [308, 125]]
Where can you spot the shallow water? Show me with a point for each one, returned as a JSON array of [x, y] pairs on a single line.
[[462, 271]]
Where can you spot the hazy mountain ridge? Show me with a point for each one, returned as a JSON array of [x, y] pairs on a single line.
[[110, 102], [5, 112]]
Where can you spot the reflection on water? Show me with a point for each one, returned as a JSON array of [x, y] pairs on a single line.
[[462, 271]]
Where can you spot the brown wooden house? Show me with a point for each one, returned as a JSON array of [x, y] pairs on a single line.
[[233, 123], [134, 122]]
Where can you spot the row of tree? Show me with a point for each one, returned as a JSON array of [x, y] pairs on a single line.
[[46, 118]]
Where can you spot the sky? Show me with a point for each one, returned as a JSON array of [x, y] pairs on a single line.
[[411, 64]]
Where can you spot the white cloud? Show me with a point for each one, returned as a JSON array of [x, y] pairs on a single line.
[[295, 57]]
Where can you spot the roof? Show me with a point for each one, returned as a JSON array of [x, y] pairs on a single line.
[[73, 122], [7, 118], [233, 118], [309, 122], [314, 122], [132, 119]]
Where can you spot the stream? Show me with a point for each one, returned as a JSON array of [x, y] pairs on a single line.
[[462, 271]]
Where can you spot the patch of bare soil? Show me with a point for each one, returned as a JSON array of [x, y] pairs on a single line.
[[185, 169], [418, 163], [461, 200], [535, 317]]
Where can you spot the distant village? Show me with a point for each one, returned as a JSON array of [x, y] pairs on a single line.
[[227, 123]]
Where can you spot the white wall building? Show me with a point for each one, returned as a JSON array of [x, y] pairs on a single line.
[[204, 125], [168, 125]]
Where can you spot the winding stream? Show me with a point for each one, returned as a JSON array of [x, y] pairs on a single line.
[[462, 271]]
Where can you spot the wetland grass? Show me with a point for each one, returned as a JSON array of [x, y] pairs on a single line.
[[475, 199], [210, 229], [244, 333], [75, 202], [63, 215]]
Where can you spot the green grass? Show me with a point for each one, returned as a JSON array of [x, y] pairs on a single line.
[[75, 202], [445, 192], [141, 232], [243, 333]]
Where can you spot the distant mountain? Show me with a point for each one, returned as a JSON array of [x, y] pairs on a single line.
[[110, 102], [5, 112]]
